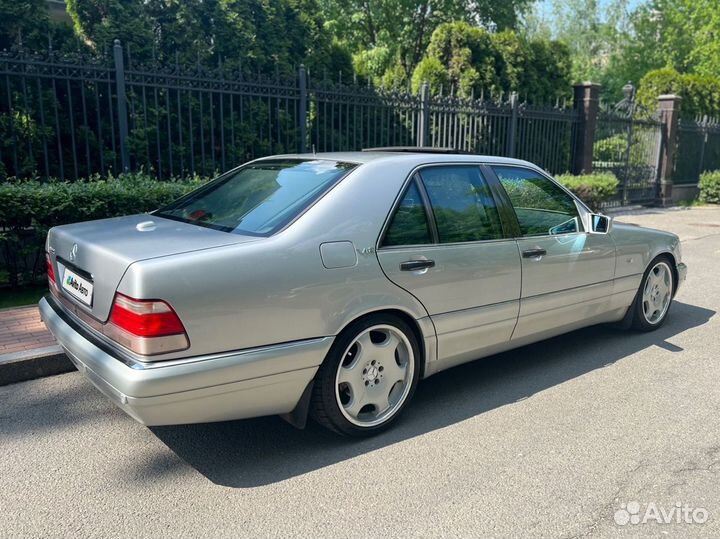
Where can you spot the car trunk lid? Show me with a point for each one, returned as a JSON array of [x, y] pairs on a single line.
[[99, 252]]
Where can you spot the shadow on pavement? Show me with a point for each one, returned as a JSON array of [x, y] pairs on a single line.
[[267, 450]]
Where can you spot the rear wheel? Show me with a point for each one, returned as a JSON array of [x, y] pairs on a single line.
[[654, 297], [368, 377]]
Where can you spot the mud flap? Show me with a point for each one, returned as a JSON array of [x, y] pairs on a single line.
[[298, 416]]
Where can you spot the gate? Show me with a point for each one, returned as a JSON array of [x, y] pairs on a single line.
[[628, 143]]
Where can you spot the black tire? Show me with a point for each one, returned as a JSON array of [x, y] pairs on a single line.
[[324, 406], [638, 319]]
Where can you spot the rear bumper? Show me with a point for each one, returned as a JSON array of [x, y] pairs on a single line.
[[249, 383]]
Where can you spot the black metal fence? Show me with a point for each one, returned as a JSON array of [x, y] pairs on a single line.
[[628, 143], [68, 117], [698, 149]]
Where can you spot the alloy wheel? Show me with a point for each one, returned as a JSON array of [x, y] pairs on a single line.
[[374, 376], [657, 293]]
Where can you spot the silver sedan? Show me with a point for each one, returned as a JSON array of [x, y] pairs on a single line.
[[328, 285]]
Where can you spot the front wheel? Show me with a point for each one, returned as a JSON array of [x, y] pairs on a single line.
[[368, 377], [653, 299]]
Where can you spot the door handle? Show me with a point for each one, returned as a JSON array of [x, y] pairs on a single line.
[[414, 265], [534, 253]]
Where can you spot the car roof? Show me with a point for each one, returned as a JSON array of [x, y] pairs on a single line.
[[417, 157]]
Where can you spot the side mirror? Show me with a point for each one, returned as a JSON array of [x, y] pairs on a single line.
[[600, 224]]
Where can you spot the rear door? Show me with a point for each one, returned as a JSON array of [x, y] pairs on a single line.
[[567, 273], [446, 244]]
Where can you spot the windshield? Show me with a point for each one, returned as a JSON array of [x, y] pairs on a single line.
[[257, 199]]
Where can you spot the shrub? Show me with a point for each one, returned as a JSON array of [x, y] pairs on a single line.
[[476, 61], [610, 149], [710, 187], [430, 70], [29, 208], [593, 189], [700, 94]]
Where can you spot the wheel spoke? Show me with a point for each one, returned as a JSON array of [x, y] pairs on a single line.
[[356, 404], [663, 286], [352, 376], [385, 351], [647, 291], [365, 343], [393, 372], [380, 398]]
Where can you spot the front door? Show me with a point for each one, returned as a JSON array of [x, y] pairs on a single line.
[[567, 273], [446, 245]]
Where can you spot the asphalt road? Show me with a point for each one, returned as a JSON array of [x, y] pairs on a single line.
[[549, 440]]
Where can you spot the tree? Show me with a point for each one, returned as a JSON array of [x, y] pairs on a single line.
[[401, 29], [473, 61], [468, 53], [27, 22], [597, 35], [26, 18], [700, 93], [679, 34], [683, 34], [259, 35]]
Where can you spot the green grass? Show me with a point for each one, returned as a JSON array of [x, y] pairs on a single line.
[[26, 295], [691, 203]]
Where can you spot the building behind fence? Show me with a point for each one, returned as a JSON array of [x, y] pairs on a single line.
[[69, 117]]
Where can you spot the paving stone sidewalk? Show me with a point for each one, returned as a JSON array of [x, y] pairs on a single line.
[[21, 329]]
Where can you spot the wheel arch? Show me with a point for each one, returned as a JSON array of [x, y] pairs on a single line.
[[299, 415]]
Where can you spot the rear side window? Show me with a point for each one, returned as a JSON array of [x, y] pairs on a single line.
[[462, 204], [409, 225], [258, 199], [541, 206]]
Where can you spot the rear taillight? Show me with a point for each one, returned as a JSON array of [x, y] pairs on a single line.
[[146, 327], [50, 272]]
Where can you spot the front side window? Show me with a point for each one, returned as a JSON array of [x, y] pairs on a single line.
[[258, 199], [462, 204], [541, 206], [409, 225]]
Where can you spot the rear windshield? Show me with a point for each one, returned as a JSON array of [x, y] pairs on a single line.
[[257, 199]]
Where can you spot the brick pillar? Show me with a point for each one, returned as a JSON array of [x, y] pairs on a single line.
[[669, 111], [587, 102]]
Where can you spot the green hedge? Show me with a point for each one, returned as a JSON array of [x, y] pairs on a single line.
[[593, 189], [29, 208], [710, 187]]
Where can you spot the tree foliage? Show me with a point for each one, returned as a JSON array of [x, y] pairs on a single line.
[[473, 60], [27, 23], [682, 34], [259, 35], [678, 34], [612, 43], [593, 33], [401, 29], [700, 93], [27, 18]]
